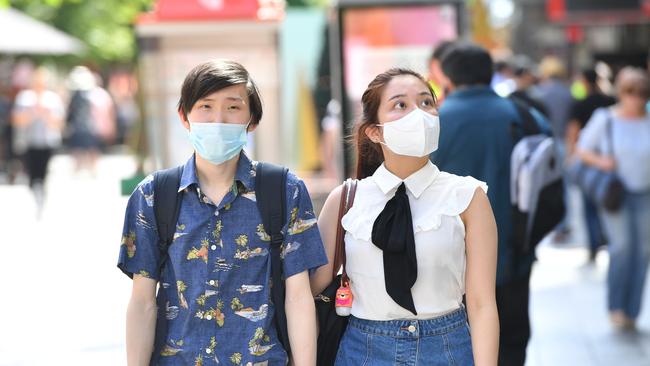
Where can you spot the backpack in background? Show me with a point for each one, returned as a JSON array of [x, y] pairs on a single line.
[[536, 183]]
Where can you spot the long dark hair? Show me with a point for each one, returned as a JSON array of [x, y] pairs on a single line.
[[369, 154]]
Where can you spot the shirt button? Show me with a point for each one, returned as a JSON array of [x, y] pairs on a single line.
[[213, 247], [411, 328], [211, 282], [208, 351], [208, 317]]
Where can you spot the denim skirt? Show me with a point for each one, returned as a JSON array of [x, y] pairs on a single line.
[[443, 340]]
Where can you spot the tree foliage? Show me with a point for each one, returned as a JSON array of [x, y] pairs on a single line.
[[105, 26]]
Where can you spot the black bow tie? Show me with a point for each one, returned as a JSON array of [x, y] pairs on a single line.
[[392, 232]]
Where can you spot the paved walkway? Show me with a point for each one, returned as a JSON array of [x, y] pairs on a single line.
[[568, 309], [64, 301]]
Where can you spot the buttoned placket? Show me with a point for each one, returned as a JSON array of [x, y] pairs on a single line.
[[213, 278]]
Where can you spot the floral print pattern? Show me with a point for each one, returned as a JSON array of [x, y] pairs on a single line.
[[215, 283]]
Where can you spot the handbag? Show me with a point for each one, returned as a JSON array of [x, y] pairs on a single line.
[[602, 187], [332, 326]]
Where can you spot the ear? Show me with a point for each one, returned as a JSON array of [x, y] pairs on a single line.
[[374, 134], [447, 85], [252, 128], [184, 120]]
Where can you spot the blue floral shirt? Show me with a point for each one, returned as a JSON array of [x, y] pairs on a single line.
[[214, 300]]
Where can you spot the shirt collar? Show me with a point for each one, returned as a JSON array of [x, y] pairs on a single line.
[[416, 183], [245, 173]]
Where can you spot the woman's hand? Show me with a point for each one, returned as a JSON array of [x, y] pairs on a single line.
[[606, 163]]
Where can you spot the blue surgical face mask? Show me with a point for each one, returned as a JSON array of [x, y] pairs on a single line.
[[218, 142]]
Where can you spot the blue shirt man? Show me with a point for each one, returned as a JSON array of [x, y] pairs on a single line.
[[476, 139]]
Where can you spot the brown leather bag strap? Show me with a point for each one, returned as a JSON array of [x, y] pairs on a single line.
[[347, 200]]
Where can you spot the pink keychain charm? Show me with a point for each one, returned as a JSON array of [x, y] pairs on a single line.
[[343, 300]]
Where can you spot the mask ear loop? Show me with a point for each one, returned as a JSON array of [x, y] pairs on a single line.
[[250, 120], [380, 142]]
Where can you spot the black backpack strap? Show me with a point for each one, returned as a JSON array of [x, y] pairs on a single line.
[[166, 206], [528, 124], [270, 192]]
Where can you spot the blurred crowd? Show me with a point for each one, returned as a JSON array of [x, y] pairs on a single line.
[[43, 112], [597, 117]]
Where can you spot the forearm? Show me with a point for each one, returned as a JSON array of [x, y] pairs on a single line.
[[571, 137], [301, 323], [592, 158], [140, 332], [55, 122], [484, 324], [20, 119]]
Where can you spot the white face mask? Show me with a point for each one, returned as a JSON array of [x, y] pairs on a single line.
[[415, 134]]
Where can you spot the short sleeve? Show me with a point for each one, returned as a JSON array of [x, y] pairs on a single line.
[[25, 99], [55, 104], [303, 248], [139, 252], [591, 136], [464, 193]]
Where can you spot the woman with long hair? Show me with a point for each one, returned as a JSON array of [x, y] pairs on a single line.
[[417, 240]]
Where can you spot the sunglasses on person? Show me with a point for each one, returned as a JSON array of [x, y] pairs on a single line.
[[638, 91]]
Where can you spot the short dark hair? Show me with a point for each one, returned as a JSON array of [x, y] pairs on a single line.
[[468, 64], [441, 50], [590, 76], [214, 75]]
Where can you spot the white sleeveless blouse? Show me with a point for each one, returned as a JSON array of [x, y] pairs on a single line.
[[437, 199]]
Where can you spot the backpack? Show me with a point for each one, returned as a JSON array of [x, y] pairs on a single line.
[[536, 183], [270, 186]]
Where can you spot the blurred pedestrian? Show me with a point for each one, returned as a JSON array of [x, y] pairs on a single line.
[[408, 294], [618, 139], [476, 140], [104, 113], [90, 120], [581, 113], [503, 82], [123, 89], [38, 121], [331, 141], [556, 96], [436, 77], [525, 77]]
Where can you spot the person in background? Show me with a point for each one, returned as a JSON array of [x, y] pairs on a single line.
[[558, 100], [524, 71], [581, 113], [123, 88], [331, 148], [37, 118], [503, 78], [476, 140], [625, 126], [81, 130], [436, 77], [103, 113], [90, 120]]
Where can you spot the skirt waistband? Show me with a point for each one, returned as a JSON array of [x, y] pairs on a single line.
[[412, 328]]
